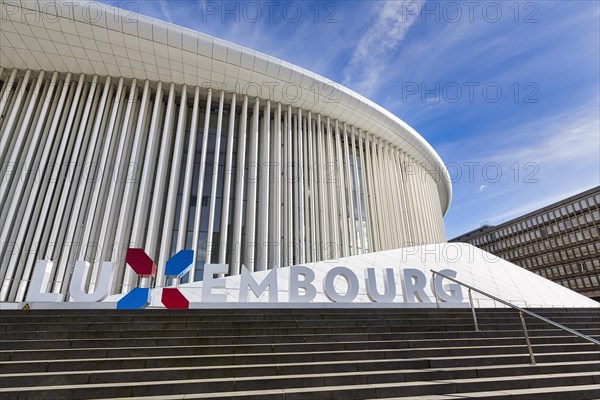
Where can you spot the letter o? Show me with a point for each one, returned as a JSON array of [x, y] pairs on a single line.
[[257, 12], [497, 11], [296, 14], [457, 11], [329, 287], [486, 93]]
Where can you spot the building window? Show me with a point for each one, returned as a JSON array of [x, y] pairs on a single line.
[[590, 201], [568, 224]]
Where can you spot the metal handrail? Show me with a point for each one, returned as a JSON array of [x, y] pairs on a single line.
[[521, 312]]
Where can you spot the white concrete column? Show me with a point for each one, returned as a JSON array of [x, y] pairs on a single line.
[[398, 195], [10, 142], [92, 223], [288, 209], [332, 176], [308, 244], [262, 255], [189, 173], [215, 177], [63, 213], [130, 190], [227, 183], [392, 201], [252, 187], [341, 189], [381, 193], [172, 185], [142, 208], [311, 189], [40, 228], [159, 210], [348, 174], [322, 183], [425, 200], [276, 188], [372, 197], [200, 189], [21, 227], [6, 93], [299, 195], [409, 171], [21, 184], [359, 204], [21, 137], [79, 205], [236, 237], [7, 130]]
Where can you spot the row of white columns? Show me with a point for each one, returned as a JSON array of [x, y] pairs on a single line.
[[109, 152]]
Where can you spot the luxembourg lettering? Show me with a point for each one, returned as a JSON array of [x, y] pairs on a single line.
[[301, 287]]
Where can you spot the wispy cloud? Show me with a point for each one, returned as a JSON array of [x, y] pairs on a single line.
[[375, 49], [165, 9], [532, 206], [542, 161], [555, 140]]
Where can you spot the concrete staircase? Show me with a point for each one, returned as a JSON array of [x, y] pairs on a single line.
[[295, 354]]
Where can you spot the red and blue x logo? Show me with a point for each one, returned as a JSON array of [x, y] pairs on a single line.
[[144, 267]]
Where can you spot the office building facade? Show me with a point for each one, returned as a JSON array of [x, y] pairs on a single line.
[[560, 242]]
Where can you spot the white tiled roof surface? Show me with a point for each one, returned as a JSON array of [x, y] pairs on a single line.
[[94, 38], [473, 266]]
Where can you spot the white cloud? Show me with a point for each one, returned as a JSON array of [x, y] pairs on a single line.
[[165, 8], [532, 206], [373, 52], [482, 188], [555, 140]]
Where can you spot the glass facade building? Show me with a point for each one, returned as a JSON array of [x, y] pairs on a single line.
[[560, 242]]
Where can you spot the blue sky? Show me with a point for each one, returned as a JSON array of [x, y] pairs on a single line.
[[508, 93]]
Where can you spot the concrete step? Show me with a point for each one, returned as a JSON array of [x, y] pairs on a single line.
[[346, 370], [293, 354], [24, 317], [579, 392], [221, 344], [249, 357], [365, 364], [316, 387], [189, 322], [123, 332], [289, 338]]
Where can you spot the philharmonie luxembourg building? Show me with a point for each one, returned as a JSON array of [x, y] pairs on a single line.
[[121, 131]]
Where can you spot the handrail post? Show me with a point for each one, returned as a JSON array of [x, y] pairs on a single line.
[[527, 338], [473, 311], [437, 303]]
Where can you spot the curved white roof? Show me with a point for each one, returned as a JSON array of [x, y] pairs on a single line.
[[93, 38]]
